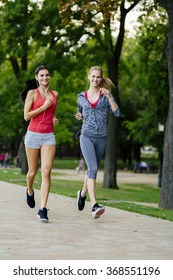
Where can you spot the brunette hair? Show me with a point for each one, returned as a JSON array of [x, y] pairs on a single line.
[[105, 82], [31, 84], [39, 68]]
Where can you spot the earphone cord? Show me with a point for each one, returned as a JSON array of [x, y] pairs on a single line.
[[41, 120], [44, 110]]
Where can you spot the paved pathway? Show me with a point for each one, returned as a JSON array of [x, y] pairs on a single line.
[[74, 235]]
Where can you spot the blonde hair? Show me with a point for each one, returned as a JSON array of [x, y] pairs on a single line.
[[105, 82]]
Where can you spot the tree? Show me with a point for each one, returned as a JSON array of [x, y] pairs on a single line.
[[113, 70], [166, 200], [146, 61]]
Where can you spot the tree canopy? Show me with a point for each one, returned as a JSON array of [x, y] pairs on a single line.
[[69, 37]]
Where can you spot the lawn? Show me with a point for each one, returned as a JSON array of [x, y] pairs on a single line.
[[129, 197]]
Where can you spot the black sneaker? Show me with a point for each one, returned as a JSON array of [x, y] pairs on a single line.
[[30, 199], [42, 215], [97, 211], [80, 201]]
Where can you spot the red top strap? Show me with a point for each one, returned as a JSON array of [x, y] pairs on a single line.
[[95, 103]]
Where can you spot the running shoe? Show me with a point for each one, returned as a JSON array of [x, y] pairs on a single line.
[[80, 201], [97, 211], [42, 215], [30, 199]]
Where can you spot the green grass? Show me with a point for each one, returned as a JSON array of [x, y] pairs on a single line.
[[124, 198], [144, 210], [72, 163], [66, 163]]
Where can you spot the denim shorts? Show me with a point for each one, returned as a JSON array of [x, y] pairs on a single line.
[[36, 140]]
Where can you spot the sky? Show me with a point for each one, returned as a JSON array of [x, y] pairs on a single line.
[[131, 22]]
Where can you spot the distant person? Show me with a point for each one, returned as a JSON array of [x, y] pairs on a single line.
[[39, 109], [143, 167], [18, 163], [93, 108], [81, 166], [136, 167], [2, 159], [7, 160]]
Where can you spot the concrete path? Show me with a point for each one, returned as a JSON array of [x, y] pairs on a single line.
[[74, 235], [122, 177]]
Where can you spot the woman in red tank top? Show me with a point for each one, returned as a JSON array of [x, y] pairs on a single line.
[[39, 109]]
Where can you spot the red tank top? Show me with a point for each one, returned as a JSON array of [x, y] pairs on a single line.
[[43, 122], [95, 103]]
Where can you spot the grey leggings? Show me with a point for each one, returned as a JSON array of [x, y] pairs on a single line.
[[93, 149]]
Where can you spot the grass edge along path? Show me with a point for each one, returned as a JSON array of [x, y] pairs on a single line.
[[155, 212]]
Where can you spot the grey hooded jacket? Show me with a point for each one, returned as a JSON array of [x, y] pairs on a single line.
[[95, 119]]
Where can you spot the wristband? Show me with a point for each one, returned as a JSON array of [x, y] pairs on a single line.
[[111, 100]]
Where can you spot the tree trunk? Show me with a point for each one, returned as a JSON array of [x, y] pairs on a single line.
[[166, 199], [22, 157], [110, 167]]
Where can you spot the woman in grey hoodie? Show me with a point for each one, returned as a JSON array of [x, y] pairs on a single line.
[[93, 108]]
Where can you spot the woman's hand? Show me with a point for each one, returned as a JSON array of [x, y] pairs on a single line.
[[106, 92], [48, 102], [78, 116], [55, 121]]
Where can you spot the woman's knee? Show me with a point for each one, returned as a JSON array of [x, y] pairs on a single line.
[[92, 174], [31, 173], [45, 172]]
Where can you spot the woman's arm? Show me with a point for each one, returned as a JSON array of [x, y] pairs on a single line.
[[109, 96], [79, 111], [113, 104], [55, 120]]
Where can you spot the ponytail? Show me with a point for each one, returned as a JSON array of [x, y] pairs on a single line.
[[31, 84], [106, 83]]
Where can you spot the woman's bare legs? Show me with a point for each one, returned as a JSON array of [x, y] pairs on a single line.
[[90, 187], [85, 189], [91, 184], [32, 158], [47, 156]]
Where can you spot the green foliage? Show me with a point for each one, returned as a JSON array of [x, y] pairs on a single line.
[[93, 19], [144, 69], [144, 130], [69, 40], [11, 116], [32, 37]]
